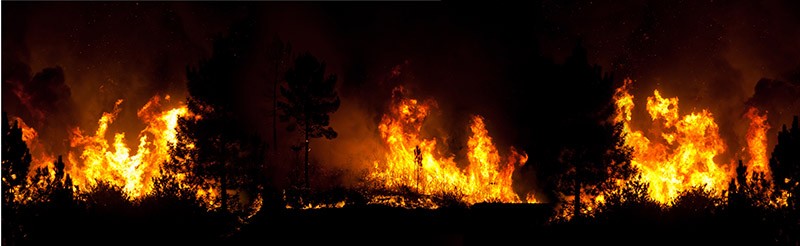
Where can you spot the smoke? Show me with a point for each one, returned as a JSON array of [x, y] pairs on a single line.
[[359, 143], [104, 52], [781, 101], [74, 60], [44, 101], [709, 54]]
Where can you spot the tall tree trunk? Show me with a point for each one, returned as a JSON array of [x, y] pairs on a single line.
[[275, 108], [308, 182], [224, 191], [577, 201]]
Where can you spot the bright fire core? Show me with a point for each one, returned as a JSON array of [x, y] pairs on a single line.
[[415, 162], [678, 152], [681, 150], [93, 159]]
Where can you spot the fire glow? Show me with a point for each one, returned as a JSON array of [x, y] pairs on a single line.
[[414, 162], [94, 159], [682, 154]]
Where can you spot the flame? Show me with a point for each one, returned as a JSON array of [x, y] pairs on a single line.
[[94, 159], [681, 152], [757, 142], [209, 195], [414, 162], [133, 172], [39, 157], [339, 204]]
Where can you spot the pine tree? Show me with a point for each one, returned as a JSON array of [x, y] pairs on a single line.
[[309, 97]]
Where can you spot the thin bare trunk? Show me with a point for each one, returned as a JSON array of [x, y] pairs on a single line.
[[224, 191], [308, 181], [275, 108], [577, 201]]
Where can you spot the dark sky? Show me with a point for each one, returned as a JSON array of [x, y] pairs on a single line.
[[709, 53]]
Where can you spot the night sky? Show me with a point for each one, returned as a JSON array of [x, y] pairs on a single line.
[[711, 54]]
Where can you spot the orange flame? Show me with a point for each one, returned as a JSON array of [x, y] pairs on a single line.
[[39, 157], [757, 142], [682, 155], [413, 161], [93, 159]]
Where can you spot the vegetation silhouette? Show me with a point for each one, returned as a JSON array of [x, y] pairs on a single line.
[[15, 165], [583, 150], [213, 152], [310, 96]]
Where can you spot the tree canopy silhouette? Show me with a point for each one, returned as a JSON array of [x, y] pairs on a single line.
[[588, 152], [309, 97], [15, 164], [213, 150], [16, 160], [785, 162]]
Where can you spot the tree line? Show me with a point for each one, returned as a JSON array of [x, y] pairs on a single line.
[[214, 152]]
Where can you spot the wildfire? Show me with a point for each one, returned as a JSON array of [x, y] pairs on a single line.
[[414, 162], [30, 136], [680, 154], [757, 141], [94, 159]]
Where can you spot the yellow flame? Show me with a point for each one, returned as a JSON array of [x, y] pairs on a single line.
[[412, 161], [757, 141], [681, 155], [93, 159], [39, 157]]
